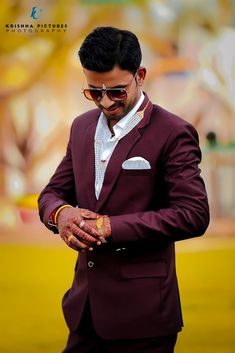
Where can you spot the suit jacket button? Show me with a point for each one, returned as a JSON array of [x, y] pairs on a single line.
[[90, 263]]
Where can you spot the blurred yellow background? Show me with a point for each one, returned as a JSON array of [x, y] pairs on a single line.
[[189, 51]]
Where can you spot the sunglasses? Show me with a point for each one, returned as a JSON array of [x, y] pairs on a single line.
[[114, 94], [96, 94]]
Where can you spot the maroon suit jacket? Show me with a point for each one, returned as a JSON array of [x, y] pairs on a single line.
[[131, 281]]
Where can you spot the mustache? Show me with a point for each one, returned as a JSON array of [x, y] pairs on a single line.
[[115, 105]]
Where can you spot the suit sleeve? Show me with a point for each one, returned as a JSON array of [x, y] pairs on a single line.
[[187, 211], [60, 189]]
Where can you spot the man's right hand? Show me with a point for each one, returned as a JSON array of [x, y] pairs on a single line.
[[68, 221]]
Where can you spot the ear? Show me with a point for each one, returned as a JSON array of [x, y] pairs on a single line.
[[141, 74]]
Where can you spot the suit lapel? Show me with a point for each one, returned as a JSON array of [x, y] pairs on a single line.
[[121, 152], [89, 165], [115, 165]]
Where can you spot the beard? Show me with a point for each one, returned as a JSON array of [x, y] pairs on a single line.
[[118, 109], [121, 111]]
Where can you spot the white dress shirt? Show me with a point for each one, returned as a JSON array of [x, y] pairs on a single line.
[[105, 143]]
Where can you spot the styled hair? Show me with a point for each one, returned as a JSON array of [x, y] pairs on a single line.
[[107, 47]]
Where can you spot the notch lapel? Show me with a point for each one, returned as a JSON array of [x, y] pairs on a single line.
[[89, 165], [115, 165], [121, 152]]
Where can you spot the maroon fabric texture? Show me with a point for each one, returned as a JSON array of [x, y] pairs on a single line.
[[85, 340], [131, 281]]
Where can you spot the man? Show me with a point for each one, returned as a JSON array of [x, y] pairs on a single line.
[[128, 187]]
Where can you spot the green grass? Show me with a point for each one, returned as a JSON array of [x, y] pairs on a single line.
[[34, 278]]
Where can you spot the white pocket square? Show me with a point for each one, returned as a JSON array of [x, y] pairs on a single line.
[[136, 163]]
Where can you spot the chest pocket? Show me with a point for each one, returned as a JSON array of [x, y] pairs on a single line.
[[137, 172]]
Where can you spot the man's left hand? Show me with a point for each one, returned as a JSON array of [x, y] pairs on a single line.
[[101, 225]]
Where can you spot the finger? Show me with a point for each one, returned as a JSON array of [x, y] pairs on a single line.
[[66, 240], [87, 238], [87, 214], [74, 247], [72, 228], [72, 241], [76, 244], [89, 229], [84, 236], [78, 221], [92, 231]]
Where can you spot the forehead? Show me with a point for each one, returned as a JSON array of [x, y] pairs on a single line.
[[115, 77]]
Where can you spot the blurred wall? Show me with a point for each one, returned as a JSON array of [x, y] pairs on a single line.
[[188, 49]]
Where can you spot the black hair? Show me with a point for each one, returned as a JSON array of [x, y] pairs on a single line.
[[107, 47]]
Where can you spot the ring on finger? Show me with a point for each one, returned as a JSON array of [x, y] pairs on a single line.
[[81, 224], [69, 238]]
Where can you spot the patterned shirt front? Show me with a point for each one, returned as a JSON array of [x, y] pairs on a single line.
[[105, 143]]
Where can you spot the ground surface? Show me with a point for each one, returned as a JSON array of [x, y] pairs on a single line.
[[35, 276]]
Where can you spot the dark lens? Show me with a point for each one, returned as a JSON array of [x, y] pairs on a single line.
[[93, 94], [117, 94]]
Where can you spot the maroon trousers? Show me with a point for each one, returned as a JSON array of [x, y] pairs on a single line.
[[85, 340]]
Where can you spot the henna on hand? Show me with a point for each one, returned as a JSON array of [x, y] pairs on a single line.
[[68, 221], [101, 225]]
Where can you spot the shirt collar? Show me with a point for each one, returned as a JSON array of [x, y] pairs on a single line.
[[121, 124]]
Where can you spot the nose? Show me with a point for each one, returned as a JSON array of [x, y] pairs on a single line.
[[105, 101]]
